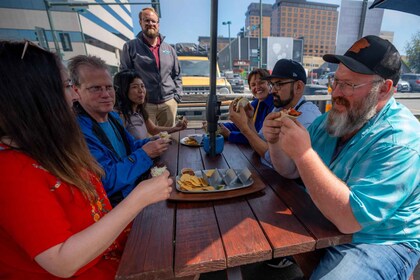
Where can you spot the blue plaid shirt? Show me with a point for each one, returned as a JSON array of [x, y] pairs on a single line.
[[381, 166]]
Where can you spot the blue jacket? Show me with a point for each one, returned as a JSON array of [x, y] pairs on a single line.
[[121, 174], [266, 106]]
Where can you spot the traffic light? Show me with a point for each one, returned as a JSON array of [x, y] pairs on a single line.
[[156, 6]]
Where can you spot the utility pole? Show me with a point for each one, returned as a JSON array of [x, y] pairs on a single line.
[[362, 19], [56, 46], [228, 23], [260, 44]]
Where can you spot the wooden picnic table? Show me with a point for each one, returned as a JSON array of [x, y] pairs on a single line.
[[182, 239]]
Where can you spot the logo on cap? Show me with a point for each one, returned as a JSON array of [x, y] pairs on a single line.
[[361, 44]]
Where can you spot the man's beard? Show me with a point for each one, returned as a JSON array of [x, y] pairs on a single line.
[[151, 33], [278, 103], [343, 123]]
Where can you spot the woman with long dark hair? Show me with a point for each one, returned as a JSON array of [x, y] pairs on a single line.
[[131, 99], [55, 218]]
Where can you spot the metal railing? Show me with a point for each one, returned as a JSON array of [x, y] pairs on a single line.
[[194, 106]]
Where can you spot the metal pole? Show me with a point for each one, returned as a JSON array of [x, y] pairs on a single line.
[[57, 47], [249, 54], [81, 31], [362, 19], [260, 38], [212, 104], [239, 47], [230, 47]]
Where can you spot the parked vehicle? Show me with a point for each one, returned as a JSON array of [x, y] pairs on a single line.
[[403, 86], [323, 80], [195, 70], [235, 81], [311, 89], [413, 79]]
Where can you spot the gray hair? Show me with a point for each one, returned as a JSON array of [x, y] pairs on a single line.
[[84, 60]]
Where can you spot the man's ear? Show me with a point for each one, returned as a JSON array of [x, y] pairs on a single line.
[[300, 86], [386, 90]]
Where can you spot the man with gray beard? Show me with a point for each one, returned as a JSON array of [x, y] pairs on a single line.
[[360, 165]]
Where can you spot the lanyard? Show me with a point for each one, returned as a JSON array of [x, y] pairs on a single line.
[[256, 112]]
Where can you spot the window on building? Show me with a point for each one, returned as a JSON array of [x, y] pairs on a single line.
[[66, 42], [41, 37]]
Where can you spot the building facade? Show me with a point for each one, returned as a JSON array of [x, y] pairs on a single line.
[[252, 20], [351, 20], [222, 42], [387, 35], [315, 23], [95, 29]]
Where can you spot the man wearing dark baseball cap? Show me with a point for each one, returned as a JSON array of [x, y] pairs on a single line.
[[359, 163]]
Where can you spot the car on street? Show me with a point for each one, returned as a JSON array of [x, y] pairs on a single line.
[[413, 79], [235, 81], [403, 86], [311, 89], [323, 80]]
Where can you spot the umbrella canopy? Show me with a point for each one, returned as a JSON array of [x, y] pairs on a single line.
[[407, 6]]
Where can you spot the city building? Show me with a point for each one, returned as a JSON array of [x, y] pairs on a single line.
[[94, 27], [204, 41], [352, 19], [387, 35], [252, 20], [246, 54], [315, 23]]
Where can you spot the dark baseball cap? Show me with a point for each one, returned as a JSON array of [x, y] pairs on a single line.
[[371, 55], [288, 69]]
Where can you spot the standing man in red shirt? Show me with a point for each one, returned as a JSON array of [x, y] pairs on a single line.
[[158, 65]]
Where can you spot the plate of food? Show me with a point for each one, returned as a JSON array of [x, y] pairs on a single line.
[[192, 140], [213, 180]]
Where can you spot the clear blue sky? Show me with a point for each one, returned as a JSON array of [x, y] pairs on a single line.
[[186, 20]]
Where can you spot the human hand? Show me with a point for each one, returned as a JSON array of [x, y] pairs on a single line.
[[204, 127], [182, 124], [155, 189], [271, 128], [242, 118], [294, 138], [156, 148], [224, 131]]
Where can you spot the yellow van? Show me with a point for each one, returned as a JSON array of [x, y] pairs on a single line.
[[195, 70]]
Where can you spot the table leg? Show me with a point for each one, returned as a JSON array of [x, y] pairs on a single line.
[[234, 273]]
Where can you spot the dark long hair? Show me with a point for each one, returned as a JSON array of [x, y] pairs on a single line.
[[35, 115], [122, 81]]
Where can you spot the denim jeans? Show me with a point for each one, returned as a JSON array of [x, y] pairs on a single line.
[[367, 262]]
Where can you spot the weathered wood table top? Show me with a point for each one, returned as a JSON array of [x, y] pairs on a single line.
[[174, 239]]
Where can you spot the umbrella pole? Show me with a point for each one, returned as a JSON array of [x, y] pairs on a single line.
[[213, 110]]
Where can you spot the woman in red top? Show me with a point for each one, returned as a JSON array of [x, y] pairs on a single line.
[[55, 219]]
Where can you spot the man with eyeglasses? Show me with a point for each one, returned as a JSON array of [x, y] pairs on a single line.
[[360, 164], [287, 83], [158, 65], [124, 160]]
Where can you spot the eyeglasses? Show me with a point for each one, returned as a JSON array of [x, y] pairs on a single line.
[[150, 21], [347, 89], [68, 84], [100, 89], [27, 44], [278, 85]]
